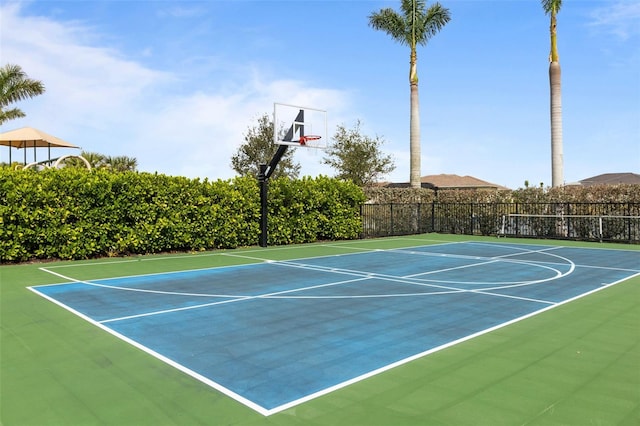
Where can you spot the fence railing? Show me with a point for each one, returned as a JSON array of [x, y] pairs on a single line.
[[617, 222]]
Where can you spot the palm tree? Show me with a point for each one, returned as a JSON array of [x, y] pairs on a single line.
[[551, 8], [15, 86], [416, 25], [95, 160], [121, 163]]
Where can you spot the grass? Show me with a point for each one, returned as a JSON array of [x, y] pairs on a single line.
[[578, 364]]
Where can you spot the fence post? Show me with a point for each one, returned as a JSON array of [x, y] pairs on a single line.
[[472, 224], [433, 216], [391, 220]]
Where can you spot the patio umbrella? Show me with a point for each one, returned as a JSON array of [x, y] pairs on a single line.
[[28, 137]]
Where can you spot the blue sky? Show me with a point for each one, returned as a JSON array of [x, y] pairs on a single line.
[[176, 84]]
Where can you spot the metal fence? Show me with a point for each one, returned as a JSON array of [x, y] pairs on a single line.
[[617, 222]]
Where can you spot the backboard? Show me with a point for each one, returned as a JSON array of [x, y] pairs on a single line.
[[299, 126]]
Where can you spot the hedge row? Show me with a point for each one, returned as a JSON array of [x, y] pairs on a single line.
[[621, 193], [76, 214]]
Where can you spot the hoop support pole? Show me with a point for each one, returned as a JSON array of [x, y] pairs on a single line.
[[266, 170]]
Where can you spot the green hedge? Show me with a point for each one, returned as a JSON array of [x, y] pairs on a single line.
[[76, 214]]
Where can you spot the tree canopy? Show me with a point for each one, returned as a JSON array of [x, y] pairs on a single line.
[[357, 157], [258, 148]]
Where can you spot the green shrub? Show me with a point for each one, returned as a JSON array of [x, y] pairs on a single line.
[[76, 214]]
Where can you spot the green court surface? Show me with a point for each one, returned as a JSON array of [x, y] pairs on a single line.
[[575, 364]]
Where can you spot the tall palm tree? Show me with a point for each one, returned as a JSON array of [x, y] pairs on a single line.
[[551, 8], [15, 86], [415, 25]]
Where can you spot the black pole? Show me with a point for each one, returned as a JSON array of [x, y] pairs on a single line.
[[263, 176]]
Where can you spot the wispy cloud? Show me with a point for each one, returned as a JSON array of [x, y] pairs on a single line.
[[621, 19], [108, 103], [180, 12]]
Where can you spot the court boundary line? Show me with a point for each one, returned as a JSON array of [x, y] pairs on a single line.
[[211, 383], [409, 280], [267, 412], [439, 348], [362, 275]]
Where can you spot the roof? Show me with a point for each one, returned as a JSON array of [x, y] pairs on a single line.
[[28, 137], [451, 181], [612, 179]]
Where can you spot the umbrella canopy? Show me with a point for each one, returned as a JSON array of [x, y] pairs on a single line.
[[28, 137]]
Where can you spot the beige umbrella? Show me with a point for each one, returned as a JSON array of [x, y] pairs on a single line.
[[28, 137]]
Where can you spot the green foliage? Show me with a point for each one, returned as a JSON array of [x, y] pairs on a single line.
[[357, 157], [74, 213], [15, 86], [383, 195], [313, 209], [120, 163], [259, 149], [416, 23]]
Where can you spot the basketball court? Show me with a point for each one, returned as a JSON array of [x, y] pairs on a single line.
[[273, 333]]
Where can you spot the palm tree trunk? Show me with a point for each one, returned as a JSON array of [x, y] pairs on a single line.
[[557, 178], [414, 137], [414, 125]]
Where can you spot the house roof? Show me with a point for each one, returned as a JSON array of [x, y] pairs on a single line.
[[451, 181], [612, 179]]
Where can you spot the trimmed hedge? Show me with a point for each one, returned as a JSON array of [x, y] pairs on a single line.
[[77, 214], [620, 193]]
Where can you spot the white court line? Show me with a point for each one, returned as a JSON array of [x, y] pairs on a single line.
[[405, 280], [248, 403], [239, 299], [267, 412], [433, 350]]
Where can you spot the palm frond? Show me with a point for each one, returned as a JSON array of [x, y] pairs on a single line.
[[389, 21], [551, 7], [16, 86], [10, 114], [435, 19]]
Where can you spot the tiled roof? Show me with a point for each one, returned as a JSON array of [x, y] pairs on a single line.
[[451, 181], [612, 179]]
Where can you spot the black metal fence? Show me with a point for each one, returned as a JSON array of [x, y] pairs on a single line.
[[617, 222]]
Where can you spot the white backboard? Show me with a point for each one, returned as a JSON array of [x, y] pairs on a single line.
[[299, 126]]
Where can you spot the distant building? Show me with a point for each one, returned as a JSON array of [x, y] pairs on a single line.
[[612, 179], [451, 181]]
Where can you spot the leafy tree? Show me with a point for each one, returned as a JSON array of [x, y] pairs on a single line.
[[551, 8], [357, 157], [259, 149], [15, 86], [415, 25]]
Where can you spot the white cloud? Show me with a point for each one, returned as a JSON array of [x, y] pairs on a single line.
[[621, 19], [107, 103]]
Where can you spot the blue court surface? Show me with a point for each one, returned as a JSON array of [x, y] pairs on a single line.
[[275, 334]]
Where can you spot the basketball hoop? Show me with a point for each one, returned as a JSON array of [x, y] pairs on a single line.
[[304, 139]]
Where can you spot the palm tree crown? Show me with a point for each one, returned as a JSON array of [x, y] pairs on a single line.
[[416, 25], [15, 86]]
